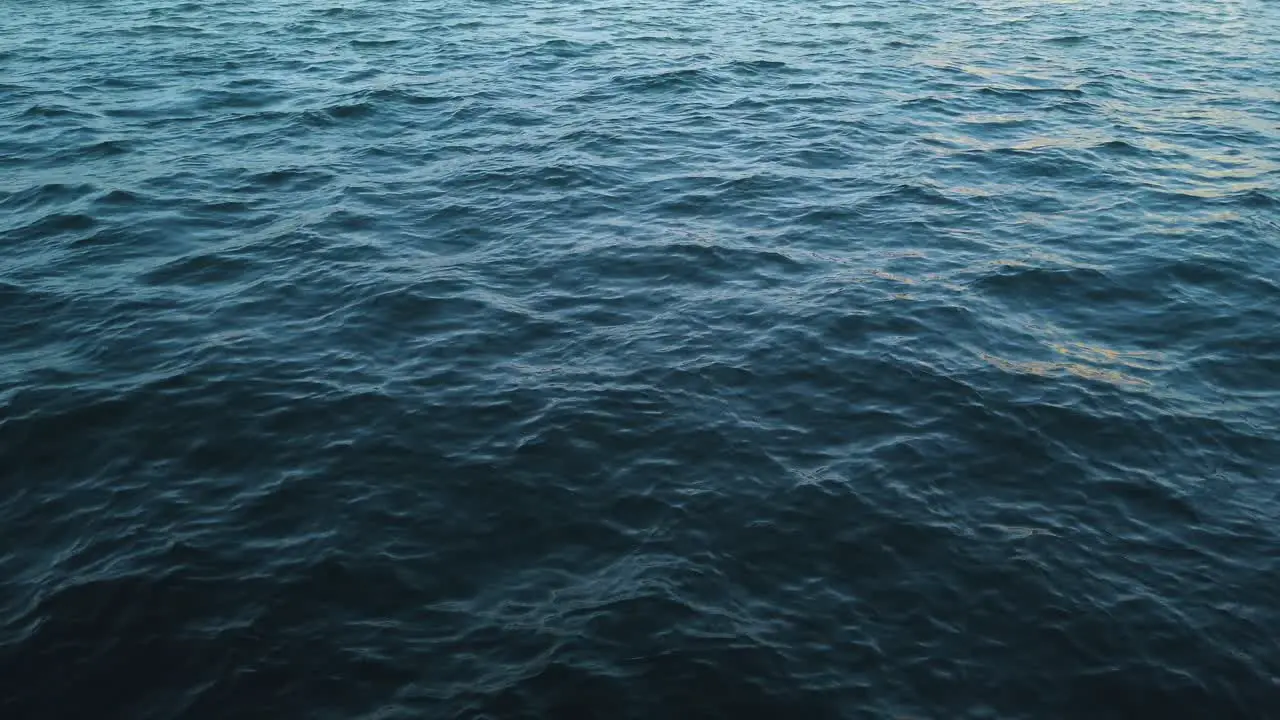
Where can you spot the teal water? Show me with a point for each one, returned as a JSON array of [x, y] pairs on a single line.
[[646, 359]]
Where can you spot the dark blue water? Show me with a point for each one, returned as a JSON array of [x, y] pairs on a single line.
[[647, 359]]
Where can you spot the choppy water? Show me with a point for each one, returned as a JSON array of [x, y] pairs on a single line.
[[648, 359]]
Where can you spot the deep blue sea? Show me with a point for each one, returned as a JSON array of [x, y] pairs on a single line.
[[640, 359]]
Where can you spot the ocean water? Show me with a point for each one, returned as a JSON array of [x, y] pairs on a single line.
[[640, 359]]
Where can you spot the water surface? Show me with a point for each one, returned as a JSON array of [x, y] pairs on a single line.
[[646, 359]]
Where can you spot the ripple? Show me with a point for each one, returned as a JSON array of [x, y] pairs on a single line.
[[641, 360]]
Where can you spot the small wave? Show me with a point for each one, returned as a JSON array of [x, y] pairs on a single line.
[[288, 178], [251, 98], [537, 178], [759, 67], [104, 149], [1210, 195], [1015, 279], [203, 269], [375, 42], [350, 110], [1068, 40], [1051, 368], [39, 196], [1121, 147], [560, 49], [670, 80], [346, 13], [54, 224], [55, 112], [395, 95], [919, 193], [998, 120]]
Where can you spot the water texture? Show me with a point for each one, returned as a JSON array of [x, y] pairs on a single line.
[[640, 359]]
